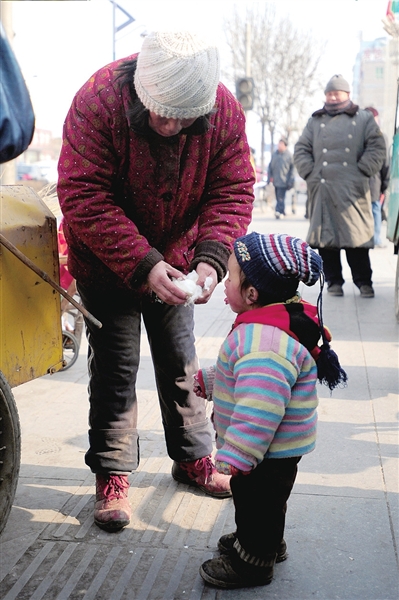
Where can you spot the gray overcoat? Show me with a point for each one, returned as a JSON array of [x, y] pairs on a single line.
[[336, 155]]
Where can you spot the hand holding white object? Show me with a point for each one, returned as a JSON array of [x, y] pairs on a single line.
[[191, 284]]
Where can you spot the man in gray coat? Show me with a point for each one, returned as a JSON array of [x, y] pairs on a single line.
[[281, 174], [339, 150]]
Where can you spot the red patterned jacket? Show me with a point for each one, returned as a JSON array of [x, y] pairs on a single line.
[[131, 200]]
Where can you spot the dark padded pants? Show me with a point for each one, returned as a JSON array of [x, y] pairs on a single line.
[[260, 501], [113, 360], [358, 261]]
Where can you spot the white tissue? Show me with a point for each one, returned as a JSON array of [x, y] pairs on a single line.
[[188, 284], [207, 283]]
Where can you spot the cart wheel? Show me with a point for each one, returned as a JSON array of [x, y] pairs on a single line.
[[10, 450], [397, 291], [70, 349]]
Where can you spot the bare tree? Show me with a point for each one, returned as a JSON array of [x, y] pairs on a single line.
[[283, 63]]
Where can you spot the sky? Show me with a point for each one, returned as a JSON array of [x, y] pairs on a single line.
[[59, 44]]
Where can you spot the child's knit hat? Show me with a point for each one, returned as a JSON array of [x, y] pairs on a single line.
[[177, 74], [271, 261]]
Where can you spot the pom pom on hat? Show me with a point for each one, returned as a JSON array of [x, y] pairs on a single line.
[[337, 84], [177, 75], [269, 261]]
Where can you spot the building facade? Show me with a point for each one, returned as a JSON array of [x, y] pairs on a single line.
[[375, 79]]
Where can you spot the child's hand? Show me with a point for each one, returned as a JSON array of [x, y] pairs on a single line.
[[227, 469], [203, 383], [199, 386]]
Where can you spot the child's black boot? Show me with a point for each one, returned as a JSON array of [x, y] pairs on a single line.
[[226, 544], [230, 571]]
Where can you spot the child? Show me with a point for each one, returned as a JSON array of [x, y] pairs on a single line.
[[264, 392]]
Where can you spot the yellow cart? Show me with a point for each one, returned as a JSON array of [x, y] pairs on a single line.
[[30, 316], [30, 320]]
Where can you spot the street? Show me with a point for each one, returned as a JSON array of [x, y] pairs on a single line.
[[342, 527]]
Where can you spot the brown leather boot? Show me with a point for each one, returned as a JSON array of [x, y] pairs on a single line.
[[202, 473]]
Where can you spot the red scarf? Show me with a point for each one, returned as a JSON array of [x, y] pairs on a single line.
[[298, 319]]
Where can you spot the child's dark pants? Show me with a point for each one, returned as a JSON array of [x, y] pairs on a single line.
[[260, 501]]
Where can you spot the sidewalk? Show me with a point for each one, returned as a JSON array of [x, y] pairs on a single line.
[[342, 526]]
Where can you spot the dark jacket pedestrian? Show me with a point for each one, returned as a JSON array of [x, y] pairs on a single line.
[[281, 174], [339, 150], [155, 181], [378, 185]]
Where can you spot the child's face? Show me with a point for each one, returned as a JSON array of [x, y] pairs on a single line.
[[232, 287]]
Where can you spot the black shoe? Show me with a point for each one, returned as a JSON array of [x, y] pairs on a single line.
[[229, 572], [335, 290], [226, 543], [366, 291]]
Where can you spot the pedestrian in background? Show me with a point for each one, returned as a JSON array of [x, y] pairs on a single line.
[[339, 150], [155, 181], [263, 388], [281, 174], [378, 185]]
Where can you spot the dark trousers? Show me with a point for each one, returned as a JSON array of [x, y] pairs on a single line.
[[113, 361], [358, 261], [260, 501], [280, 199]]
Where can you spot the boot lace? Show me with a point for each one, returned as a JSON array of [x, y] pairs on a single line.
[[203, 468], [116, 487]]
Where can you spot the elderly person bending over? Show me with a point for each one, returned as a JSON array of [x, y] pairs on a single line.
[[155, 181]]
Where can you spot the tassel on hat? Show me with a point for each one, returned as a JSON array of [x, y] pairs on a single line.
[[329, 370]]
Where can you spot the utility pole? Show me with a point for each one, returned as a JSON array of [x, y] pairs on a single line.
[[248, 50]]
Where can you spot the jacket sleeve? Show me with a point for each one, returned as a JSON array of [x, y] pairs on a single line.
[[374, 154], [303, 153], [270, 172], [385, 176], [227, 200], [291, 175], [385, 169], [88, 161]]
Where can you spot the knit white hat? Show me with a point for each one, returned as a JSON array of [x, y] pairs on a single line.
[[177, 75]]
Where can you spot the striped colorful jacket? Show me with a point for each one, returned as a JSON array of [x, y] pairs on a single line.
[[265, 398]]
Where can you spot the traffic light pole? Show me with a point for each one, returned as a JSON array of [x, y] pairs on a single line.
[[248, 50], [245, 85]]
